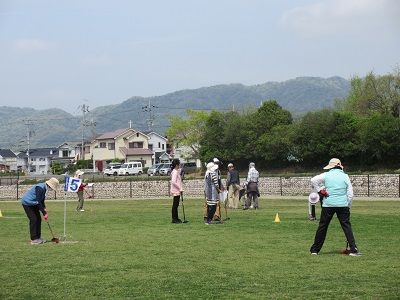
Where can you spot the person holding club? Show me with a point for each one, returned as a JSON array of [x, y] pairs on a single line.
[[33, 204], [338, 197], [78, 174], [176, 190], [211, 191]]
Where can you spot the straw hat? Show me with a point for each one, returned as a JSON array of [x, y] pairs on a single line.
[[53, 183], [79, 173], [334, 162]]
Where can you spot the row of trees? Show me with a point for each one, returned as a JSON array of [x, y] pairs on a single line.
[[363, 130]]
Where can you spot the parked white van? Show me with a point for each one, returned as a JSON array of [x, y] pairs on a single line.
[[131, 168]]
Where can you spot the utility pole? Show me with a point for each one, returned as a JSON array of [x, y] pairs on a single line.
[[85, 109], [150, 119], [28, 135]]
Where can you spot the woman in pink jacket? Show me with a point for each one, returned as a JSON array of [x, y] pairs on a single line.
[[176, 189]]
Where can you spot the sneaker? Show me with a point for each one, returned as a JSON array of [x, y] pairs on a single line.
[[81, 210], [209, 222], [37, 242], [314, 253], [355, 253], [177, 221], [43, 241], [312, 219]]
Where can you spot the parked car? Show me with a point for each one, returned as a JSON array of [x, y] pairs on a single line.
[[187, 167], [154, 170], [165, 169], [131, 168], [112, 170]]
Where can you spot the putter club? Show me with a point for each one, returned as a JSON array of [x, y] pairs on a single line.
[[54, 239], [89, 196], [183, 208], [347, 250]]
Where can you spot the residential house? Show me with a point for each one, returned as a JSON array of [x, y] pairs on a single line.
[[8, 160], [158, 144], [125, 144], [69, 153], [39, 161], [185, 153]]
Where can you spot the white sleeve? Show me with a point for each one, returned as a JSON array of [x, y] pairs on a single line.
[[318, 181], [349, 192]]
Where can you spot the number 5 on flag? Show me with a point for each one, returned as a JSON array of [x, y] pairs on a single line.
[[71, 184]]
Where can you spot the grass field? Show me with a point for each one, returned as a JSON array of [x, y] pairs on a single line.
[[130, 250]]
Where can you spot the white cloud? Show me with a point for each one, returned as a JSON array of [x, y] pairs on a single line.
[[343, 16], [29, 45]]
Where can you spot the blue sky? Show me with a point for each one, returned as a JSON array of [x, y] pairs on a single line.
[[57, 53]]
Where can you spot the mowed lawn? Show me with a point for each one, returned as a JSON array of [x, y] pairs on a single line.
[[128, 249]]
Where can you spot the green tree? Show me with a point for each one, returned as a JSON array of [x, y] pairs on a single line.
[[269, 115], [378, 140], [373, 93], [187, 132], [56, 168], [324, 134]]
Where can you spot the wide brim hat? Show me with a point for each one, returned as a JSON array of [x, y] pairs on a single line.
[[210, 166], [79, 173], [334, 162], [313, 198], [53, 183]]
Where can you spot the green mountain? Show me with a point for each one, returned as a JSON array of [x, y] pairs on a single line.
[[52, 127]]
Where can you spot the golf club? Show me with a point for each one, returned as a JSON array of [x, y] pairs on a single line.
[[54, 239], [183, 209], [89, 196], [347, 250]]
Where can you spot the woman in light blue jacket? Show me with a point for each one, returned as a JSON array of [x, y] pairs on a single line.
[[338, 197], [33, 204]]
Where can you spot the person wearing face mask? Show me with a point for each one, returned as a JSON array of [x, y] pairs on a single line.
[[33, 203]]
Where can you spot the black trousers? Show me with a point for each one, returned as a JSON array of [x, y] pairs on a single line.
[[35, 221], [175, 206], [211, 211], [343, 215]]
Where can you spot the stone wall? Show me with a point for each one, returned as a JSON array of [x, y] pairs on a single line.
[[363, 185]]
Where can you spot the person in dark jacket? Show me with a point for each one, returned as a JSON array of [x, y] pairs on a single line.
[[233, 185], [33, 204]]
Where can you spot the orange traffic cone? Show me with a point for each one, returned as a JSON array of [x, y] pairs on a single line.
[[277, 218]]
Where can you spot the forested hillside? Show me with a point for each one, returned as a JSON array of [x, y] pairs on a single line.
[[52, 127]]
